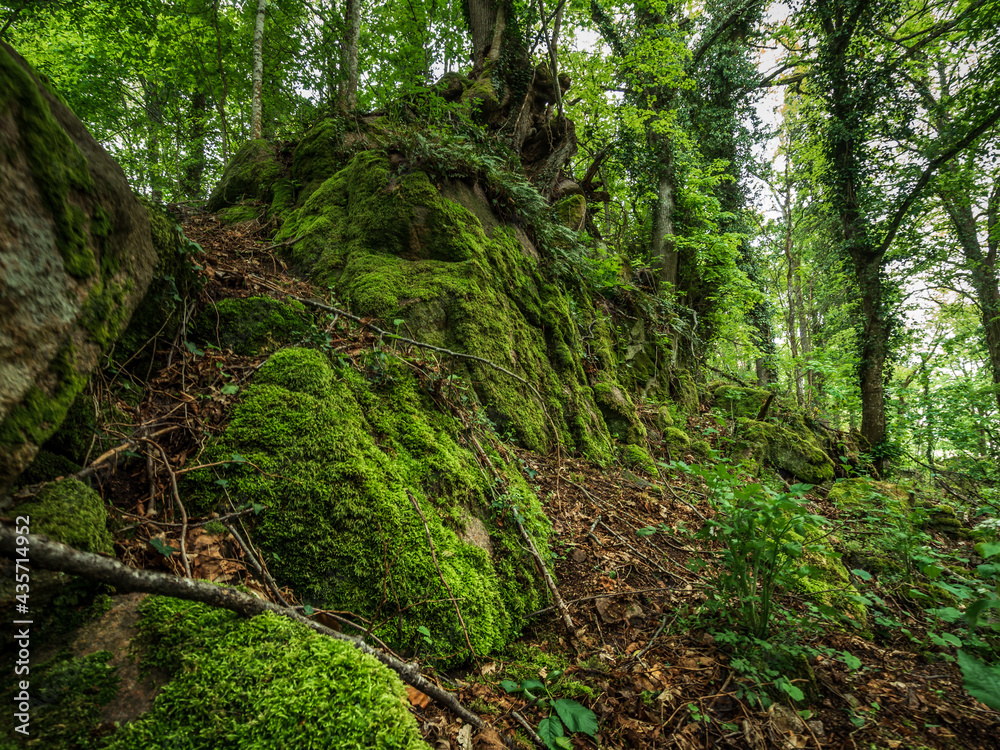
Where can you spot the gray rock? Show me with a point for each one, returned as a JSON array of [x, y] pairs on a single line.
[[76, 258]]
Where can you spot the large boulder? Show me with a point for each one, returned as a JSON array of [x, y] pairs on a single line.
[[76, 258]]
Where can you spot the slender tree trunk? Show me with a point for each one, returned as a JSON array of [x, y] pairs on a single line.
[[982, 265], [258, 70], [194, 165], [349, 57], [663, 244], [220, 101]]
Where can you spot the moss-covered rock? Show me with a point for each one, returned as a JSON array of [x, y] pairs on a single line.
[[792, 448], [572, 211], [252, 326], [684, 391], [77, 260], [302, 690], [250, 176], [399, 246], [211, 666], [637, 457], [335, 459], [676, 441], [735, 402], [72, 513]]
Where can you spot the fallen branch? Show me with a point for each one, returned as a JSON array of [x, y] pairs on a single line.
[[49, 555], [563, 609], [177, 499]]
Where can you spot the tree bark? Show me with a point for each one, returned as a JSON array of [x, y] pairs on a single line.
[[982, 265], [258, 71], [349, 57]]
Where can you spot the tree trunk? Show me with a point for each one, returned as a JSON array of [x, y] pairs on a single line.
[[220, 101], [482, 17], [258, 71], [982, 266], [349, 57], [194, 164], [663, 245]]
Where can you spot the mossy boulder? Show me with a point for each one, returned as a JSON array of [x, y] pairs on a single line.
[[861, 492], [572, 212], [676, 441], [252, 326], [399, 244], [69, 512], [684, 391], [207, 680], [793, 448], [77, 259], [249, 177], [734, 401], [338, 461]]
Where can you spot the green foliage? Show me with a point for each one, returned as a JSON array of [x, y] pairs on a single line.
[[766, 537], [565, 714]]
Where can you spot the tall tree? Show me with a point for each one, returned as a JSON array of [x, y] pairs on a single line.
[[258, 71]]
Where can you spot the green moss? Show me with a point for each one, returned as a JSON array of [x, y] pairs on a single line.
[[394, 247], [57, 165], [337, 457], [572, 211], [319, 155], [252, 326], [261, 683], [72, 513], [637, 457], [735, 402], [239, 213], [793, 448], [46, 467], [41, 411], [67, 694], [250, 176], [676, 441], [684, 391]]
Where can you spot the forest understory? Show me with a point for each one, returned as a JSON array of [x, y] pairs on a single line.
[[643, 655]]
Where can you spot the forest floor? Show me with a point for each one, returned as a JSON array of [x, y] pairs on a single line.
[[641, 656]]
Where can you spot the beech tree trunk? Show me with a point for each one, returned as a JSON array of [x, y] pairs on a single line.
[[258, 71]]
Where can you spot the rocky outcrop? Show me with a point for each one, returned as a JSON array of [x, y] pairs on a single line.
[[76, 258]]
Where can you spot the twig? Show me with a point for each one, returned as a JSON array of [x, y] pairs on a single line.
[[527, 728], [286, 243], [177, 498], [641, 652], [191, 524], [635, 551], [567, 620], [49, 555], [454, 601], [605, 596], [264, 575]]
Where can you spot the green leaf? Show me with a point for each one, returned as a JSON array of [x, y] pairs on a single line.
[[222, 482], [257, 508], [577, 718], [161, 547], [230, 389], [851, 660], [510, 686], [789, 689], [981, 680], [238, 459], [864, 575], [532, 685], [308, 610], [800, 489], [647, 531], [550, 730], [988, 549]]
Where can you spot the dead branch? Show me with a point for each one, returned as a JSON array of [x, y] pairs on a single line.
[[563, 609], [177, 499], [50, 555]]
